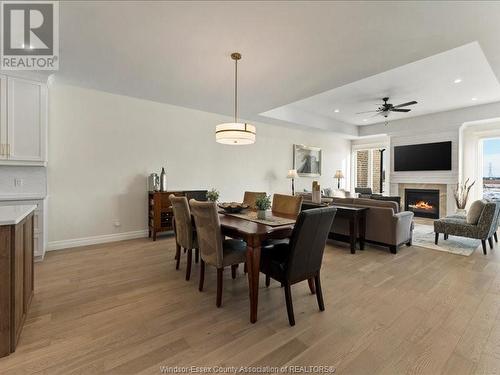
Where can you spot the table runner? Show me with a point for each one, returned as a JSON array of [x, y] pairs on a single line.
[[272, 221]]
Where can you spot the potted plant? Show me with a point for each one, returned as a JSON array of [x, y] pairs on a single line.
[[262, 203], [213, 195], [461, 194]]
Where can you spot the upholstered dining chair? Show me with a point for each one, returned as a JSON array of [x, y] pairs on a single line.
[[301, 258], [185, 233], [288, 205], [214, 250], [251, 196]]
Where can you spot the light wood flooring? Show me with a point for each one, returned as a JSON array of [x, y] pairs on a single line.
[[122, 308]]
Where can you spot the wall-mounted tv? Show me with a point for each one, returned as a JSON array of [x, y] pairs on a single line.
[[423, 157]]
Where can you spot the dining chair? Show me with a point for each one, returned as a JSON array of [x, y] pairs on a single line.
[[185, 233], [214, 250], [288, 205], [251, 196], [301, 258]]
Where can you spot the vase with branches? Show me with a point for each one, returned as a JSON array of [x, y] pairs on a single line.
[[461, 194]]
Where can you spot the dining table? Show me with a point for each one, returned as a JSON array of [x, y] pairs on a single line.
[[254, 234]]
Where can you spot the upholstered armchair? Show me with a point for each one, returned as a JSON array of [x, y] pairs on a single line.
[[484, 229], [185, 234]]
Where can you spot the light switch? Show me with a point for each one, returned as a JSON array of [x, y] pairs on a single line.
[[18, 182]]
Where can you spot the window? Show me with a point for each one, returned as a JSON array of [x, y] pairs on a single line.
[[491, 169], [369, 170]]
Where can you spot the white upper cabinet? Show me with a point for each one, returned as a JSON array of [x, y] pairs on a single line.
[[23, 117]]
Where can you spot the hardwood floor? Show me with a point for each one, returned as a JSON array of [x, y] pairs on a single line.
[[123, 308]]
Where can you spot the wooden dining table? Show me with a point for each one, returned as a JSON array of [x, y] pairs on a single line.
[[254, 234]]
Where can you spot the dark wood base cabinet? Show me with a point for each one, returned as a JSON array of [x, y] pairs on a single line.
[[16, 281]]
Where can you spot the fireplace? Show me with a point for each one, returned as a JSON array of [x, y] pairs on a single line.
[[422, 202]]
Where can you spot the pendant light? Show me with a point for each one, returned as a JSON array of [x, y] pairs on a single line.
[[235, 133]]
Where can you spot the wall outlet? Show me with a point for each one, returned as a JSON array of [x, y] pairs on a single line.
[[18, 182]]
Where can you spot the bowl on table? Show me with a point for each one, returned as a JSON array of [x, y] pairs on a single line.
[[233, 207]]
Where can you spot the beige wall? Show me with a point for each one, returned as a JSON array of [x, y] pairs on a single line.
[[103, 146]]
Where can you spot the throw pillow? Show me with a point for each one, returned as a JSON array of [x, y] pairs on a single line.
[[475, 210]]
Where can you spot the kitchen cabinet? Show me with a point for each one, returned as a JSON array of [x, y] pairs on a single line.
[[16, 273], [23, 121]]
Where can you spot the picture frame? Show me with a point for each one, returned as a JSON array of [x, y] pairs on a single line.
[[307, 160]]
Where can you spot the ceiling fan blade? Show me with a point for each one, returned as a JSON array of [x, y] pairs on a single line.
[[404, 104], [359, 113], [400, 110]]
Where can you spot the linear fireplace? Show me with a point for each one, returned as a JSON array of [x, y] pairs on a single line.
[[422, 202]]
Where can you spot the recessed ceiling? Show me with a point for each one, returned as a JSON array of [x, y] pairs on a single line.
[[179, 52], [457, 78]]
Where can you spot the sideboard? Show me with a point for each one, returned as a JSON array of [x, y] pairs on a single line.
[[160, 215]]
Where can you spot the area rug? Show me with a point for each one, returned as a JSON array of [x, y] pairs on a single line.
[[423, 236]]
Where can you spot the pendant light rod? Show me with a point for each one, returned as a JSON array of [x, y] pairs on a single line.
[[236, 56]]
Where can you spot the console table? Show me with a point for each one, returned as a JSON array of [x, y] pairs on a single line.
[[160, 214], [357, 225]]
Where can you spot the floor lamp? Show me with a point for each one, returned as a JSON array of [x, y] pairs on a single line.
[[292, 174]]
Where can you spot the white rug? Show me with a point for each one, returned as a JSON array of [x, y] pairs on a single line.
[[423, 236]]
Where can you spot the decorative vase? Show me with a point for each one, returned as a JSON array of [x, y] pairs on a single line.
[[261, 214]]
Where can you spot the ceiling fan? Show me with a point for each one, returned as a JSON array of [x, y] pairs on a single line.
[[386, 108]]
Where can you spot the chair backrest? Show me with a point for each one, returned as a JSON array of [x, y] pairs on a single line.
[[308, 242], [184, 231], [206, 219], [286, 204], [363, 190], [251, 196], [488, 219]]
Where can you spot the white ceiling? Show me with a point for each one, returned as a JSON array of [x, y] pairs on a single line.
[[430, 82], [178, 52]]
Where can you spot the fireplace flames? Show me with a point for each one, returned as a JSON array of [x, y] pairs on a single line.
[[421, 205]]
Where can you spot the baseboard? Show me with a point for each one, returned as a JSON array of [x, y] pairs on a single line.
[[85, 241]]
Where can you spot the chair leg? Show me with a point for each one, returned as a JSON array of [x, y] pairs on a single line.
[[289, 305], [483, 242], [268, 281], [202, 275], [490, 241], [319, 293], [436, 238], [445, 236], [245, 268], [177, 256], [233, 271], [196, 255], [311, 285], [496, 236], [219, 287], [189, 261]]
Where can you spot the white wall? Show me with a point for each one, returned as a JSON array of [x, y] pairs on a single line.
[[103, 146]]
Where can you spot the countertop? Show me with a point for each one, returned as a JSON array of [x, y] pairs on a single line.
[[22, 197], [12, 215]]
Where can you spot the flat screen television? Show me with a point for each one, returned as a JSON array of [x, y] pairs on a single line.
[[423, 157]]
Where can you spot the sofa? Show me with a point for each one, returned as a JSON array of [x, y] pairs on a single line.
[[483, 228], [385, 224]]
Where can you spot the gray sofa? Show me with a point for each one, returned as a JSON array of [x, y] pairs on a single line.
[[485, 229], [385, 224]]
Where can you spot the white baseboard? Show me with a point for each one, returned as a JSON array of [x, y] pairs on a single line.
[[85, 241]]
